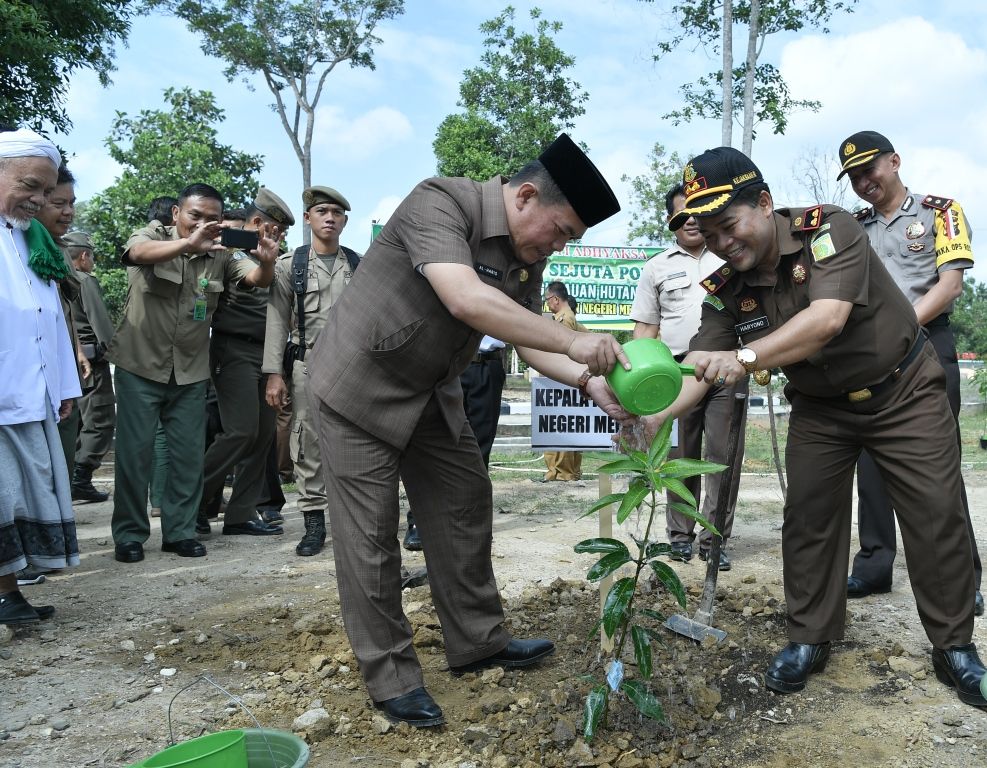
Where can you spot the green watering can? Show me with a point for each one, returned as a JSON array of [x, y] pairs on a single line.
[[653, 382]]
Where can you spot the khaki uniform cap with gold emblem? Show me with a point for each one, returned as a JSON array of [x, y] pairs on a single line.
[[315, 195], [273, 207]]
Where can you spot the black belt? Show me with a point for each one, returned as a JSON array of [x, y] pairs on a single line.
[[939, 321], [860, 395], [240, 336], [481, 357]]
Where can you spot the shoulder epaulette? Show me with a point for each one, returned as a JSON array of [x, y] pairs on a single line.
[[939, 203], [712, 283], [863, 213], [810, 219]]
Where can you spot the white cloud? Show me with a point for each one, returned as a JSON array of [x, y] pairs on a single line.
[[344, 140]]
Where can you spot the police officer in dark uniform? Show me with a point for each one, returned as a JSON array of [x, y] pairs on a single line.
[[804, 291], [924, 241], [236, 352]]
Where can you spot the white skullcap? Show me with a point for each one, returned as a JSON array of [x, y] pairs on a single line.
[[26, 143]]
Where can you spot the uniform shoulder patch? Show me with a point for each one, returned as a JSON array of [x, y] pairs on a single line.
[[938, 203], [810, 220], [863, 213], [712, 283], [714, 302]]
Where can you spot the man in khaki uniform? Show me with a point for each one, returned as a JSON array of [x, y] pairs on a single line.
[[97, 406], [326, 268], [161, 353], [562, 465], [236, 352]]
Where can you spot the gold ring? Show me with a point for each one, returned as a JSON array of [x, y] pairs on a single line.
[[721, 380]]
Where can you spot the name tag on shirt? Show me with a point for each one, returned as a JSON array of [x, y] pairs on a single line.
[[485, 269], [757, 324]]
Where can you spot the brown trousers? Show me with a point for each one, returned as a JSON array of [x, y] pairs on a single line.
[[910, 433], [449, 489], [563, 465]]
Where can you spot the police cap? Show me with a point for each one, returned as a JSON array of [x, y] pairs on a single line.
[[315, 195], [862, 148], [273, 207]]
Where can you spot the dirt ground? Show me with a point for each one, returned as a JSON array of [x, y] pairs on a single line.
[[93, 686]]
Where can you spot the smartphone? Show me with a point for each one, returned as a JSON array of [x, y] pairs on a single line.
[[240, 239]]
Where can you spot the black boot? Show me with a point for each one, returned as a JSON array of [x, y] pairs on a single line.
[[315, 534], [82, 486], [412, 541]]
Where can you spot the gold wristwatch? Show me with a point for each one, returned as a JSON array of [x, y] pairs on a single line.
[[747, 357]]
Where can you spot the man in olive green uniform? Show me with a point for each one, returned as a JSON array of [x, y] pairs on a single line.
[[805, 291], [236, 351], [161, 353], [326, 268], [97, 406], [562, 465], [57, 215]]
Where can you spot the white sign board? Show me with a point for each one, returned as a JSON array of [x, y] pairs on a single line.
[[563, 420]]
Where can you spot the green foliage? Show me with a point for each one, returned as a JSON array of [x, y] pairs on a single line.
[[969, 318], [701, 21], [772, 101], [162, 152], [44, 44], [652, 474], [293, 46], [648, 216], [516, 102], [113, 281]]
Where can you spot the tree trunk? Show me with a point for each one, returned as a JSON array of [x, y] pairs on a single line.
[[727, 80], [750, 71], [306, 183]]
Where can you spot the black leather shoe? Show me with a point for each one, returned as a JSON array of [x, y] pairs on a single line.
[[14, 609], [202, 525], [44, 612], [960, 667], [184, 548], [517, 654], [859, 588], [681, 550], [724, 560], [792, 666], [978, 604], [128, 552], [271, 516], [412, 541], [417, 708], [252, 528]]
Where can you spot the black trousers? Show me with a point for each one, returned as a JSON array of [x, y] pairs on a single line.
[[483, 384], [875, 515]]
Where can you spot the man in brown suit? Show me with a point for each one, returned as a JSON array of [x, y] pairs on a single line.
[[457, 260]]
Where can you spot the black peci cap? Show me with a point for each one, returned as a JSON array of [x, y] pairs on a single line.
[[580, 181], [712, 180]]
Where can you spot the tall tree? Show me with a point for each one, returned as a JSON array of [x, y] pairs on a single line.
[[516, 101], [969, 318], [161, 152], [815, 175], [763, 94], [44, 43], [649, 221], [293, 46]]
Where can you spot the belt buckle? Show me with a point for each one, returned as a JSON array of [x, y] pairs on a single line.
[[859, 395]]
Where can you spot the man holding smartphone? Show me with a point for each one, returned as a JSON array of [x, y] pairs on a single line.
[[176, 275], [236, 351]]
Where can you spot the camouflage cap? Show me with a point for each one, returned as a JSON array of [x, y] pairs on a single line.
[[77, 239], [315, 195], [274, 207]]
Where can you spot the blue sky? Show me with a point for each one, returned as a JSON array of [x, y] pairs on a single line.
[[915, 72]]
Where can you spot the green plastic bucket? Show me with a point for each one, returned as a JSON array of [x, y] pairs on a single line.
[[226, 749], [274, 749]]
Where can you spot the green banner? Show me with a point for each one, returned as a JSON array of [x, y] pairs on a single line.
[[602, 279]]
